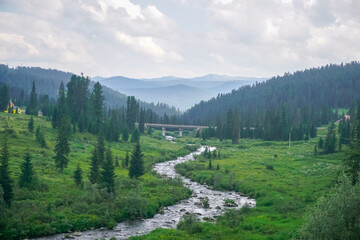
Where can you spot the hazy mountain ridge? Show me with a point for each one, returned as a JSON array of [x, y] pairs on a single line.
[[182, 93]]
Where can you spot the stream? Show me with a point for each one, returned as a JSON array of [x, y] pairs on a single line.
[[172, 214]]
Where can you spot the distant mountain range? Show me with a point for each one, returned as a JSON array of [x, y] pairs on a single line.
[[182, 93]]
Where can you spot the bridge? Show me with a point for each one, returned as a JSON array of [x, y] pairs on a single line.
[[173, 126]]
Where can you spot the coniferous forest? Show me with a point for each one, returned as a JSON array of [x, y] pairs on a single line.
[[290, 143]]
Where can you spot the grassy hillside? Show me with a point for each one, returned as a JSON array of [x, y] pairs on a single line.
[[55, 204], [285, 182]]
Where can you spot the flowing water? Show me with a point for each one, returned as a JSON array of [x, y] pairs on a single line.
[[172, 214]]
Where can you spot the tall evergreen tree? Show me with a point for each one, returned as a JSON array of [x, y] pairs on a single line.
[[61, 107], [352, 162], [236, 128], [98, 104], [5, 180], [101, 147], [125, 134], [137, 162], [31, 125], [78, 175], [62, 148], [135, 136], [132, 110], [219, 128], [142, 121], [27, 171], [330, 141], [107, 173], [32, 108], [4, 98], [95, 167]]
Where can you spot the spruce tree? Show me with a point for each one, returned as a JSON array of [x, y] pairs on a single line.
[[107, 173], [236, 128], [32, 108], [135, 136], [210, 164], [78, 175], [98, 104], [117, 161], [5, 180], [137, 162], [61, 107], [352, 162], [4, 98], [330, 141], [125, 134], [27, 171], [62, 148], [101, 147], [31, 125], [142, 121], [94, 168], [127, 159]]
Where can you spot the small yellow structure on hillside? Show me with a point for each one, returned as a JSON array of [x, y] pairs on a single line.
[[13, 108]]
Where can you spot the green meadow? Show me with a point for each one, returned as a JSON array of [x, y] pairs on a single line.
[[285, 181], [55, 204]]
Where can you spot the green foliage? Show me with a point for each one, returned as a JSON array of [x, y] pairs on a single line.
[[205, 203], [40, 137], [27, 171], [107, 173], [62, 148], [132, 109], [5, 180], [330, 141], [98, 99], [190, 223], [137, 162], [125, 134], [4, 97], [78, 176], [94, 167], [336, 216], [352, 162], [32, 108], [31, 125], [135, 136]]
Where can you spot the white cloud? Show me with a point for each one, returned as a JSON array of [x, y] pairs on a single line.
[[139, 38]]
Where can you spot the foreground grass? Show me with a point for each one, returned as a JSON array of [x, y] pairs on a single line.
[[55, 204], [285, 182]]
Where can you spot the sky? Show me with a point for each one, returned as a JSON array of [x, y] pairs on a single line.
[[184, 38]]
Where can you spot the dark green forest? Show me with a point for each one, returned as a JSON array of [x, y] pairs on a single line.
[[48, 81]]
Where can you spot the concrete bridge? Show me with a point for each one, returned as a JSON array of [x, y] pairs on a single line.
[[173, 126]]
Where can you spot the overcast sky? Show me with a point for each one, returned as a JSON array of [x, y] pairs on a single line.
[[186, 38]]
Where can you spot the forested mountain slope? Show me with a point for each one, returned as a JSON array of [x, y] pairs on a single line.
[[308, 94], [48, 81]]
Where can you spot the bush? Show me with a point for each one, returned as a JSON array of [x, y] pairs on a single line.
[[190, 223]]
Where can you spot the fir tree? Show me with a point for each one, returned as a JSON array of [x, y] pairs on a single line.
[[31, 125], [321, 143], [142, 121], [61, 107], [137, 162], [32, 108], [236, 128], [5, 180], [27, 171], [98, 104], [132, 110], [315, 150], [125, 134], [135, 136], [330, 141], [94, 168], [217, 167], [62, 148], [4, 98], [78, 175], [210, 164], [127, 159], [107, 173], [352, 162], [101, 147]]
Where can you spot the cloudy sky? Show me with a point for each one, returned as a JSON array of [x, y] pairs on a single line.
[[152, 38]]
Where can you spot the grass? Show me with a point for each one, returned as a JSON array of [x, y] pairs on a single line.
[[285, 182], [58, 205]]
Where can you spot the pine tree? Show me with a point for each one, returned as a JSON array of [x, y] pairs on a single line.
[[101, 147], [352, 162], [210, 164], [32, 108], [315, 150], [127, 159], [117, 161], [107, 173], [135, 136], [236, 128], [142, 121], [98, 104], [61, 107], [94, 168], [125, 134], [132, 110], [31, 125], [321, 143], [62, 148], [27, 171], [217, 167], [137, 162], [78, 176], [5, 180], [4, 98], [330, 141]]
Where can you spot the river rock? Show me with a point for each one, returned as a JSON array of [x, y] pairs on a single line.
[[218, 207], [182, 210], [77, 234], [102, 228], [230, 204]]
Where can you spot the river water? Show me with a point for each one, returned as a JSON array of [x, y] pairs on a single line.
[[172, 214]]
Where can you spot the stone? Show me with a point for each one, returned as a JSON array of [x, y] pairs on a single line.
[[77, 234]]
